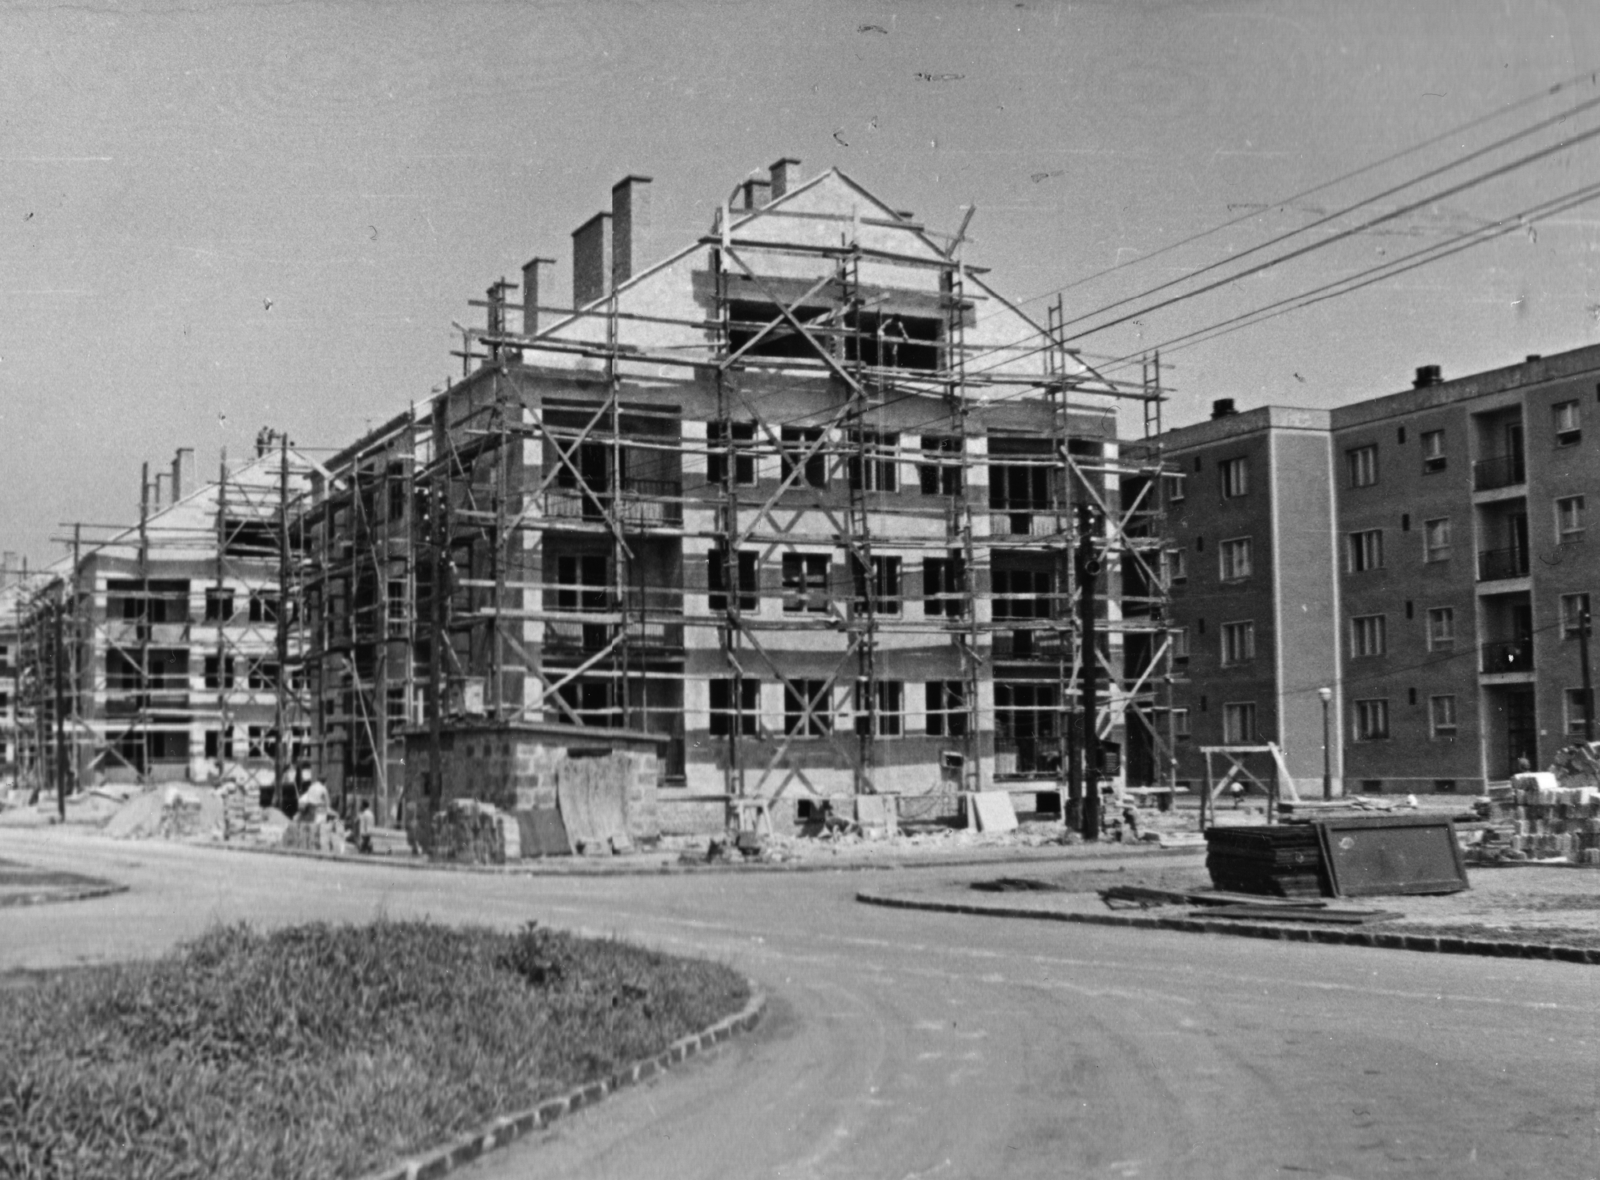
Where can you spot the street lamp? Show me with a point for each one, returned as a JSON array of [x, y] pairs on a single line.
[[1327, 753]]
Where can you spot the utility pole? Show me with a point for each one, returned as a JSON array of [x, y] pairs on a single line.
[[279, 746], [61, 701], [1088, 572]]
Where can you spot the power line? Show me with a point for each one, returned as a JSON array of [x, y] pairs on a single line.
[[1451, 133], [1375, 274], [1337, 237]]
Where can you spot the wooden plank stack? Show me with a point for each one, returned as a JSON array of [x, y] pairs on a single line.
[[1279, 860]]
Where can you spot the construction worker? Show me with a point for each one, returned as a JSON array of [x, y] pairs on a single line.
[[364, 826]]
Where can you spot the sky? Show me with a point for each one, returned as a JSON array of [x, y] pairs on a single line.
[[216, 217]]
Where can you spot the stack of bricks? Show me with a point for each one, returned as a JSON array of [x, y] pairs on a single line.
[[241, 816], [1550, 821], [314, 837], [180, 820], [475, 833]]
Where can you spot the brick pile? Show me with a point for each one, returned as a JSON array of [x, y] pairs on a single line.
[[1541, 820], [181, 819], [314, 837], [470, 832], [241, 816]]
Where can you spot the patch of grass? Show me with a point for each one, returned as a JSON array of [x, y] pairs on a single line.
[[321, 1050]]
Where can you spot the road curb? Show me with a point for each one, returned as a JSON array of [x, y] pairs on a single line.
[[50, 896], [507, 1129], [537, 869], [1386, 940]]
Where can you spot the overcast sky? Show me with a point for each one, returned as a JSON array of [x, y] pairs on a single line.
[[220, 216]]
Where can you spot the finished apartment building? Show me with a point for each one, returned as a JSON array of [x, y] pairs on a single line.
[[1423, 556]]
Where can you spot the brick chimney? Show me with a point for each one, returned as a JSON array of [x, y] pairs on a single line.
[[182, 473], [530, 294], [753, 194], [591, 259], [1427, 375], [785, 176], [630, 220]]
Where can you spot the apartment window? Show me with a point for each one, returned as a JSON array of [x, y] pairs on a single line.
[[872, 464], [1235, 556], [717, 580], [805, 582], [1363, 465], [397, 705], [1436, 539], [1372, 720], [1022, 594], [1180, 643], [944, 582], [1180, 724], [1235, 477], [261, 674], [1433, 456], [1442, 716], [1238, 722], [219, 604], [797, 454], [263, 607], [1175, 488], [5, 701], [884, 585], [947, 708], [1575, 715], [1368, 635], [259, 742], [581, 582], [1238, 643], [1441, 628], [397, 616], [218, 672], [888, 695], [1366, 550], [939, 473], [807, 711], [1569, 429], [1177, 565], [741, 437], [216, 746], [723, 711], [1573, 609], [1569, 519]]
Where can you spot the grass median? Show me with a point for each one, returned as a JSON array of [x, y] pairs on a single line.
[[321, 1050]]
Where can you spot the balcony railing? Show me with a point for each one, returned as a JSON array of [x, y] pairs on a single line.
[[1502, 563], [1514, 655], [1503, 471], [642, 502]]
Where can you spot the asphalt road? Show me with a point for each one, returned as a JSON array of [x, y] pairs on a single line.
[[903, 1044]]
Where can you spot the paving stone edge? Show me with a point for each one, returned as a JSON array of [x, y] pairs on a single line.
[[509, 1128], [1388, 940]]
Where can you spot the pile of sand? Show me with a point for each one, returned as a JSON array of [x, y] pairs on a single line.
[[141, 817]]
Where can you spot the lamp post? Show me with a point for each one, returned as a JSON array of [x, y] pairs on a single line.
[[1327, 751]]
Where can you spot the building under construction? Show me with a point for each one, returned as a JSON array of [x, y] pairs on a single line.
[[805, 502], [805, 509], [153, 651]]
